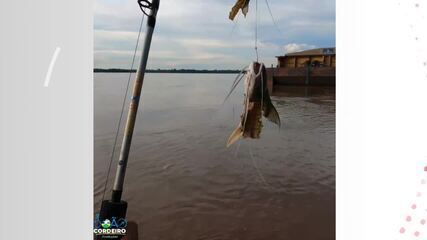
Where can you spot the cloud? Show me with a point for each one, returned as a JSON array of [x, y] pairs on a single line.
[[198, 34], [295, 47]]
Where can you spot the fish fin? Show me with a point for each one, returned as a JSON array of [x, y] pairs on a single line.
[[235, 83], [237, 133], [272, 114]]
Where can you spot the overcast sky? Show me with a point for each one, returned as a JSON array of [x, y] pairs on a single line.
[[198, 34]]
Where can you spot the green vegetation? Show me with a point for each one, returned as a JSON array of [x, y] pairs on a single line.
[[118, 70]]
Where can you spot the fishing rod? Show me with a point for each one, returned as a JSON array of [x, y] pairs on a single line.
[[116, 207]]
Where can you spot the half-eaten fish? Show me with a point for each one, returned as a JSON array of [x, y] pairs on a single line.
[[240, 4], [257, 103]]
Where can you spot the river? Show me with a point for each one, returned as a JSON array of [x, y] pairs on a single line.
[[183, 183]]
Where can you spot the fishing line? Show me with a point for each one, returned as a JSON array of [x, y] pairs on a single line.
[[262, 88], [238, 78], [256, 30], [122, 110], [234, 26], [237, 149], [246, 103], [215, 111], [255, 165], [273, 19]]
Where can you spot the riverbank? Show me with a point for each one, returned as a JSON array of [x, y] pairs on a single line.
[[119, 70]]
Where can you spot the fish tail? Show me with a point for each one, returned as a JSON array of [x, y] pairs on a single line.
[[271, 113], [240, 4], [237, 133], [233, 13], [245, 10]]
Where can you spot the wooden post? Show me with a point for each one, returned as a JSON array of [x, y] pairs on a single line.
[[307, 74], [270, 80]]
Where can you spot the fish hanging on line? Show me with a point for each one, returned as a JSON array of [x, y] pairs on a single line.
[[257, 103], [240, 4]]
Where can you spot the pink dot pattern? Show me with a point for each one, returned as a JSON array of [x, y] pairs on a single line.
[[414, 222]]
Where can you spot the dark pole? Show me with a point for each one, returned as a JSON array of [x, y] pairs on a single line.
[[116, 207]]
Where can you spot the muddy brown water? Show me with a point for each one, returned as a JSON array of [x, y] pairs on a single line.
[[183, 183]]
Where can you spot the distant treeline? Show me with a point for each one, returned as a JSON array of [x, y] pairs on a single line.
[[118, 70]]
